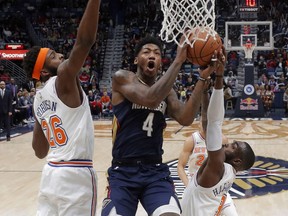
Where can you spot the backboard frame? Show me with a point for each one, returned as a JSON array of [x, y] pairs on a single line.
[[230, 47], [250, 36]]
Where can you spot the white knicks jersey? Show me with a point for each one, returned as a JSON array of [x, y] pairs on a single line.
[[69, 131], [198, 155], [200, 201]]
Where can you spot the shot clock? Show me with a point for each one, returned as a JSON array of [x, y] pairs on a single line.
[[248, 9]]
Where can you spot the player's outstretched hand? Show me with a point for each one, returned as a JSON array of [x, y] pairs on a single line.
[[182, 51], [221, 62], [206, 71], [207, 84], [217, 64]]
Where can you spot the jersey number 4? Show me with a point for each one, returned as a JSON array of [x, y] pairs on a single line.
[[55, 133], [148, 124]]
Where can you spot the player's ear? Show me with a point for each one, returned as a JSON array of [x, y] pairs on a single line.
[[136, 61], [237, 163]]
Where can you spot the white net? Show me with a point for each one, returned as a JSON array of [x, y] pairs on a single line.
[[248, 49], [181, 15]]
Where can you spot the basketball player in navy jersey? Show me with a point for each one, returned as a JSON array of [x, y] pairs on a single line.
[[140, 104]]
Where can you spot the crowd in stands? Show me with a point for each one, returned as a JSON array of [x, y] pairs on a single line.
[[57, 24], [22, 101], [100, 103], [12, 28], [53, 22]]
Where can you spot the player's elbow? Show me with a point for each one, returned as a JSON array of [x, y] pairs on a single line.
[[185, 121], [40, 154], [40, 151]]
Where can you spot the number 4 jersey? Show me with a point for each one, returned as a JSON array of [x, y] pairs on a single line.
[[138, 130], [69, 131]]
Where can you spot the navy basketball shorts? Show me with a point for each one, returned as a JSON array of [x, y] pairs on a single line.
[[149, 184]]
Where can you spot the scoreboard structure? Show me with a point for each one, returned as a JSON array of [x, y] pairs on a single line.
[[248, 9]]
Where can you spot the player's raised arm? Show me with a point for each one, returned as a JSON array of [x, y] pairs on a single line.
[[86, 36], [204, 104], [213, 168], [184, 113]]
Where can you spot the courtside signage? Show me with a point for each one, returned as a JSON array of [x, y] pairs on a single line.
[[13, 54]]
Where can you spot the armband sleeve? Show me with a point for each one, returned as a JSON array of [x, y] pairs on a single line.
[[215, 116]]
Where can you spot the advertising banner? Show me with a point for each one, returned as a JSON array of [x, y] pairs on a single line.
[[12, 54]]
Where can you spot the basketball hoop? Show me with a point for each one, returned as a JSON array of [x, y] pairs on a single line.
[[182, 15], [248, 49]]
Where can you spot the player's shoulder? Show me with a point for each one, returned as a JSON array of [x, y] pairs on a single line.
[[122, 72], [190, 141], [123, 75]]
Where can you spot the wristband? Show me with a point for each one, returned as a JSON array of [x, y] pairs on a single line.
[[201, 79]]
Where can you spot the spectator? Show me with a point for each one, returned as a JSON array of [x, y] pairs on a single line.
[[272, 80], [20, 113], [285, 101], [106, 104], [5, 109], [229, 77], [25, 102], [95, 104], [268, 98], [228, 95], [190, 81], [5, 76], [13, 87], [84, 76]]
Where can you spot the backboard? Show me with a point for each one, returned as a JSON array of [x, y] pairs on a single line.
[[260, 34]]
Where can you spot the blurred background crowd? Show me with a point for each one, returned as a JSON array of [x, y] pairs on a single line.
[[53, 24]]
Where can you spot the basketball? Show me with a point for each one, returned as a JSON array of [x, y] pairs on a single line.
[[202, 50]]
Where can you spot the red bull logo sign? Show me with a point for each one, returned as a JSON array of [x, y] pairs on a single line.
[[249, 104]]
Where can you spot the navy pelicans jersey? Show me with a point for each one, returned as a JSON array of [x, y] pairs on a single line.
[[138, 130], [69, 131]]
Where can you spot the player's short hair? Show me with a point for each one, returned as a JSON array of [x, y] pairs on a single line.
[[248, 157], [30, 59], [147, 40]]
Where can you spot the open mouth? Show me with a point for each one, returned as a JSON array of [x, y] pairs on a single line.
[[151, 65]]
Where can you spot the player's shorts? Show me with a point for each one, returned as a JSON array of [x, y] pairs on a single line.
[[67, 190], [150, 184]]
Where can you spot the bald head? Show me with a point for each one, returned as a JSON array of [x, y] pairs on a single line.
[[2, 84]]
